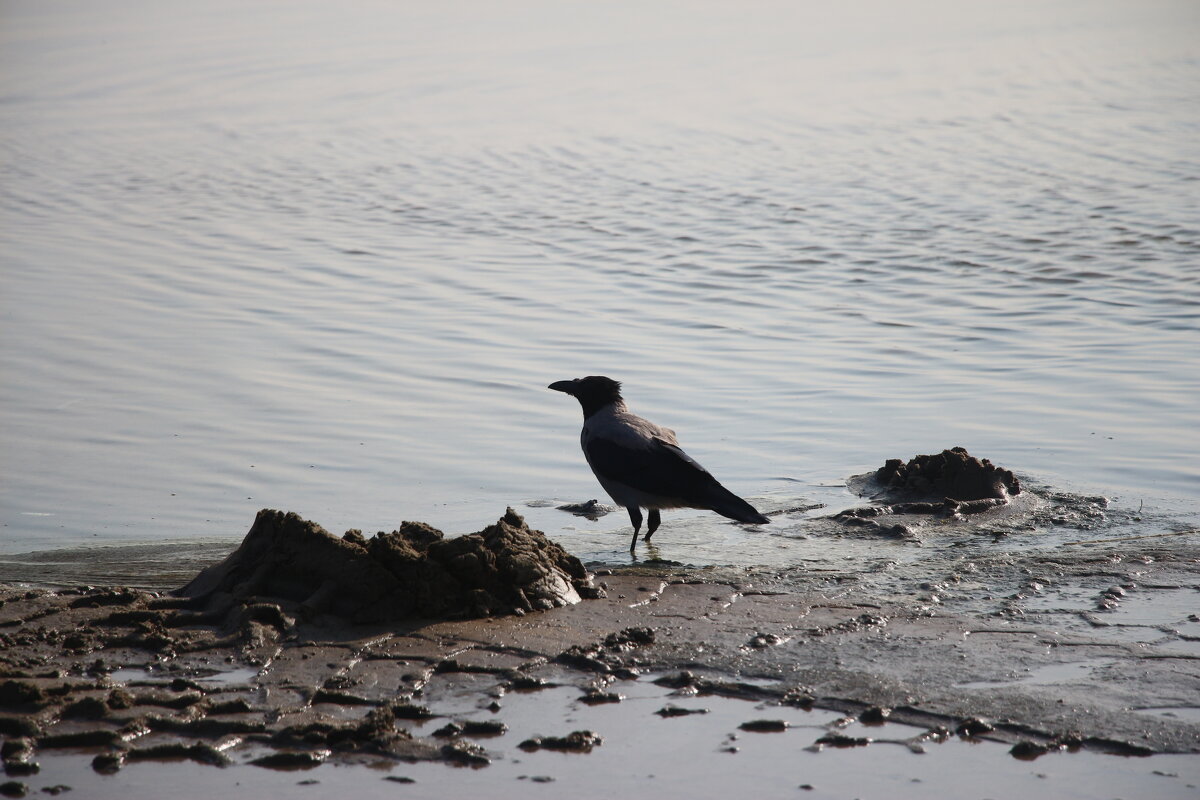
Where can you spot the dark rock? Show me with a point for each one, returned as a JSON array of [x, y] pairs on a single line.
[[120, 699], [410, 711], [109, 763], [472, 728], [1028, 751], [761, 641], [290, 760], [576, 742], [952, 474], [449, 729], [594, 697], [411, 572], [687, 682], [592, 509], [487, 727], [18, 748], [764, 726], [184, 685], [841, 740], [875, 715], [13, 789], [585, 658], [974, 727], [20, 768], [680, 680], [1072, 740], [77, 643], [466, 754], [676, 711], [629, 638]]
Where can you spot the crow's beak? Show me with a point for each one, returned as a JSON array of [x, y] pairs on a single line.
[[563, 386]]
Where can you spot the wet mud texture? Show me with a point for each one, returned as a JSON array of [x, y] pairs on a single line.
[[952, 473], [950, 484], [412, 572], [134, 676], [303, 647]]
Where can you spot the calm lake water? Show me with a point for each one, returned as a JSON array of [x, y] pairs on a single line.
[[326, 258]]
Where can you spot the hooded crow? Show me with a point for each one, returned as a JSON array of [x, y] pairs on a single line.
[[640, 464]]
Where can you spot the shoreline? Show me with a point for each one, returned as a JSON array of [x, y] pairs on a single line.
[[945, 637], [121, 674]]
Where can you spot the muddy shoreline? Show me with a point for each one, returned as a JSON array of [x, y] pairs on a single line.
[[1093, 648], [134, 675]]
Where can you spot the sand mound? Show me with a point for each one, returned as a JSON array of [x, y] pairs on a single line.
[[412, 572], [953, 473]]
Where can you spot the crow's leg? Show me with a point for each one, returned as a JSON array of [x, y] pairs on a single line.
[[635, 516], [652, 523]]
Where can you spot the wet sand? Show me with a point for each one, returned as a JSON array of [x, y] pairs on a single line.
[[1093, 655]]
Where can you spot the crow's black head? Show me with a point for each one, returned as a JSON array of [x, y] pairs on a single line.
[[593, 392]]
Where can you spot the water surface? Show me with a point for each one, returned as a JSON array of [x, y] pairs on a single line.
[[326, 259]]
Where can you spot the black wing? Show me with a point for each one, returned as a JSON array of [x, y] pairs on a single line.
[[662, 469]]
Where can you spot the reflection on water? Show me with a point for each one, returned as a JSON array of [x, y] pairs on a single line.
[[328, 260]]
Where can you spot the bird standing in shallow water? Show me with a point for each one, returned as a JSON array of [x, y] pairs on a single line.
[[640, 464]]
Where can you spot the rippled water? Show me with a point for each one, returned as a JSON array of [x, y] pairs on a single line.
[[327, 259]]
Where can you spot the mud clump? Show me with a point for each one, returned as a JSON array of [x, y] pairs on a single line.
[[764, 726], [953, 473], [413, 572], [575, 742]]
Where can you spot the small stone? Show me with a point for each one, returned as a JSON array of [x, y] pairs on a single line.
[[466, 753], [291, 760], [21, 768], [764, 726], [841, 740], [108, 763], [974, 727], [875, 715], [676, 711], [595, 697], [761, 641], [798, 699], [576, 742], [1028, 751], [451, 729]]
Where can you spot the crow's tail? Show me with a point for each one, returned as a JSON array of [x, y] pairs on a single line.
[[728, 504]]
